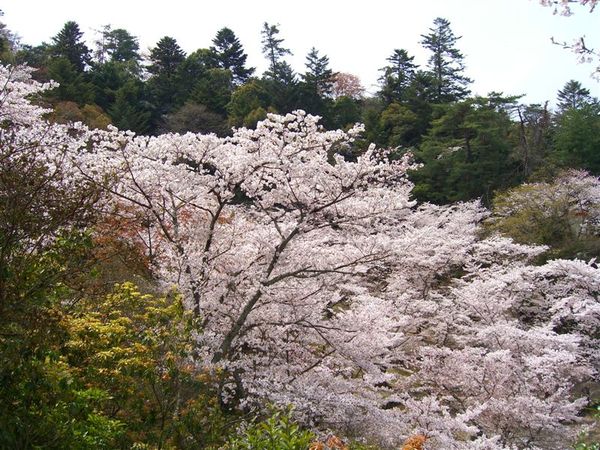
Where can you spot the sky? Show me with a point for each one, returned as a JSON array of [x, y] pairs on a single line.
[[506, 43]]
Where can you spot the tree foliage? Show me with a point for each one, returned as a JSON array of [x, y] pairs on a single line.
[[231, 56], [445, 63], [577, 139], [318, 74], [272, 47], [573, 96], [397, 77], [563, 214], [165, 57], [466, 153], [68, 44]]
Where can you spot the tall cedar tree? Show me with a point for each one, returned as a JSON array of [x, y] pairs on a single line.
[[446, 63], [230, 55], [397, 76], [280, 78], [68, 44]]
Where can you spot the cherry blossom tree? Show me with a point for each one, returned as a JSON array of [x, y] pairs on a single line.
[[579, 46], [347, 85], [564, 6]]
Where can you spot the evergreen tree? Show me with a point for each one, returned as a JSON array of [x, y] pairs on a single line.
[[399, 126], [318, 74], [446, 63], [121, 45], [272, 48], [68, 44], [577, 138], [280, 79], [283, 74], [419, 99], [283, 88], [230, 55], [166, 57], [128, 112], [194, 68], [466, 153], [109, 77], [397, 76], [164, 85], [214, 90], [405, 121], [316, 87], [72, 84], [573, 96]]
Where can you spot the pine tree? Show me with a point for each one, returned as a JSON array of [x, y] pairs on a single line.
[[72, 84], [573, 96], [280, 78], [213, 90], [68, 44], [314, 92], [272, 48], [122, 46], [166, 57], [230, 55], [466, 153], [318, 74], [283, 73], [128, 111], [446, 63], [397, 76], [164, 86]]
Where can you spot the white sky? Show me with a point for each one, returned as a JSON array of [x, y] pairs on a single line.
[[506, 43]]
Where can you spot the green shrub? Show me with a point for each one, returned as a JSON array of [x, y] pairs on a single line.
[[277, 432]]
